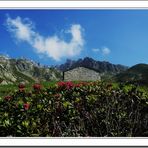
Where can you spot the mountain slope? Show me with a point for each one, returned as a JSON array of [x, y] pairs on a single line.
[[17, 70], [137, 73]]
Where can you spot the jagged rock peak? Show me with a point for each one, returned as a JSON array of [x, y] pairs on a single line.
[[87, 62]]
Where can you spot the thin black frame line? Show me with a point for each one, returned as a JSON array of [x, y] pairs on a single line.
[[104, 138]]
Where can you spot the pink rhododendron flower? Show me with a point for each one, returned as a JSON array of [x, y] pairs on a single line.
[[8, 97], [26, 106], [37, 86]]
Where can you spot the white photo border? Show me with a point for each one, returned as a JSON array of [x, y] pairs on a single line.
[[78, 141]]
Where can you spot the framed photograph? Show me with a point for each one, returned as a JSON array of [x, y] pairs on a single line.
[[74, 73]]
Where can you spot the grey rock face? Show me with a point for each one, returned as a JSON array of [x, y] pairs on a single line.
[[81, 74], [90, 63], [17, 70]]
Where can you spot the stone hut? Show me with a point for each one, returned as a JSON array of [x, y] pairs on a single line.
[[81, 74]]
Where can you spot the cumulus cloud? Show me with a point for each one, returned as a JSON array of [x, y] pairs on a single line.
[[22, 30], [95, 49], [105, 51], [51, 46]]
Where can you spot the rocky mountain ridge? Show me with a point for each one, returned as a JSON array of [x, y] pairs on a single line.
[[21, 69], [101, 67], [17, 70]]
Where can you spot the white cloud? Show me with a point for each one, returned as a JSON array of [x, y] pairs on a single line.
[[105, 51], [96, 50], [22, 30], [51, 46]]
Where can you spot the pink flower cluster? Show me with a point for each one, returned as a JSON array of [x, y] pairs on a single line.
[[67, 85], [21, 87], [37, 86], [83, 83], [26, 106], [8, 98], [22, 106]]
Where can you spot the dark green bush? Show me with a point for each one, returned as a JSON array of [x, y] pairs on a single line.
[[86, 109]]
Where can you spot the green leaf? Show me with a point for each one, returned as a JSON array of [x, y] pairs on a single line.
[[25, 123], [66, 104]]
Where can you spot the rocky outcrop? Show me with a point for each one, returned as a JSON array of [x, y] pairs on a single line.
[[82, 74], [17, 70], [101, 67]]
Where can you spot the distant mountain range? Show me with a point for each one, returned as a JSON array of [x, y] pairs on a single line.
[[17, 70], [101, 67]]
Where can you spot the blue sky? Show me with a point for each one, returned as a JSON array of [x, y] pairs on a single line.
[[52, 36]]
